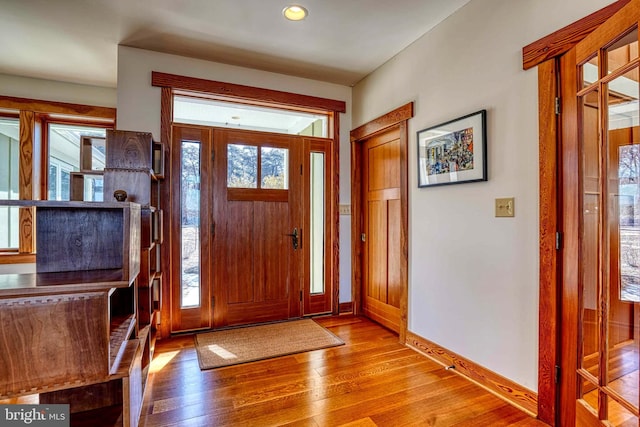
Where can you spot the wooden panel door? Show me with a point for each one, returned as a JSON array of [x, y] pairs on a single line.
[[601, 219], [257, 218], [382, 216]]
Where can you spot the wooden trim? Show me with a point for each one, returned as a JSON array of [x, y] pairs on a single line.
[[570, 207], [17, 258], [231, 90], [559, 42], [346, 307], [513, 393], [27, 243], [548, 356], [404, 227], [394, 117], [166, 116], [356, 226], [397, 117], [607, 31], [335, 214], [51, 107]]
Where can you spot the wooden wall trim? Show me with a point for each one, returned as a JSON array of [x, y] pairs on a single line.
[[50, 107], [559, 42], [166, 115], [513, 393], [394, 117], [335, 303], [346, 307], [548, 300], [25, 182], [16, 258], [245, 92]]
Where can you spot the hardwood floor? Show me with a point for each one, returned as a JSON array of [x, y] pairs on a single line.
[[370, 381]]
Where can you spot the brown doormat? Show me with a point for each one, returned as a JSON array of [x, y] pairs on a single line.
[[248, 344]]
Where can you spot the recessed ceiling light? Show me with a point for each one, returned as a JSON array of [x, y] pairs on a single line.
[[295, 12]]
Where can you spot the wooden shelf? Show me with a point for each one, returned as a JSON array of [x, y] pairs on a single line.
[[61, 282], [121, 330]]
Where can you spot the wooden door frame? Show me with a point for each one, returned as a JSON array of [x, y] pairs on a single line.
[[170, 84], [396, 118], [544, 54]]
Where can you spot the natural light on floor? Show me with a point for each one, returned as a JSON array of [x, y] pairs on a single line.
[[161, 360], [221, 352]]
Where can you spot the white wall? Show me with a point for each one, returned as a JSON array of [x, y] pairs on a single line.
[[139, 109], [473, 278], [49, 90]]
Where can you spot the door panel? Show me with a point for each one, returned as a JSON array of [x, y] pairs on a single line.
[[256, 266], [600, 310], [382, 226]]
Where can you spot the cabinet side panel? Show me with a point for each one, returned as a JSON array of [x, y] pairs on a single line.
[[79, 239], [52, 342]]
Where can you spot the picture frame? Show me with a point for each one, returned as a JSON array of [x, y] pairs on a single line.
[[453, 152]]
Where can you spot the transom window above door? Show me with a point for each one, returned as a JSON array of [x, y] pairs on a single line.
[[217, 113]]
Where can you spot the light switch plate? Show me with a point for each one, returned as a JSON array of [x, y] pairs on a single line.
[[345, 209], [505, 207]]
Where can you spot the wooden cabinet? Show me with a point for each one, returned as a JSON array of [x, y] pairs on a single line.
[[72, 326], [134, 164]]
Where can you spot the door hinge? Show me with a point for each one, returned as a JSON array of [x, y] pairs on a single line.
[[558, 240], [363, 237], [300, 296], [300, 169], [213, 302], [213, 228], [557, 374], [558, 106]]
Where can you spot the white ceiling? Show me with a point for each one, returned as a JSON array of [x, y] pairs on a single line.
[[341, 41]]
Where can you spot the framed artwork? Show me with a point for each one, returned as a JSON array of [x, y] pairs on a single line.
[[453, 152]]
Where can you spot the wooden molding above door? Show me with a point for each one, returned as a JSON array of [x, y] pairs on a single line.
[[396, 118]]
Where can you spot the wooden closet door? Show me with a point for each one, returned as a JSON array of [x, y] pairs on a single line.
[[382, 216]]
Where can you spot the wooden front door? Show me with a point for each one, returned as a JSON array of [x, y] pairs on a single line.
[[257, 223], [601, 221], [382, 219]]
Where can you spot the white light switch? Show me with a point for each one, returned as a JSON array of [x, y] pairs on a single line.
[[345, 209]]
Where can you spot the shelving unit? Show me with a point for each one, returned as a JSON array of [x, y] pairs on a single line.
[[135, 164], [72, 325]]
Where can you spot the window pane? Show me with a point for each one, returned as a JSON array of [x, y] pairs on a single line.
[[64, 154], [590, 268], [274, 168], [210, 112], [317, 209], [590, 72], [623, 51], [9, 165], [242, 166], [190, 224]]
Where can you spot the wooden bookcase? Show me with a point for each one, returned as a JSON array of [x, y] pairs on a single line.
[[72, 326], [134, 163]]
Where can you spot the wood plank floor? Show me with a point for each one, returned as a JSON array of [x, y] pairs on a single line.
[[370, 381]]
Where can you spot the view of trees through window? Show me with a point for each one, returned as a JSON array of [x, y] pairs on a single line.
[[242, 167], [629, 221]]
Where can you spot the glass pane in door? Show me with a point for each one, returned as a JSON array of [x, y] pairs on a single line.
[[590, 242], [624, 268], [623, 51], [317, 210], [190, 224]]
